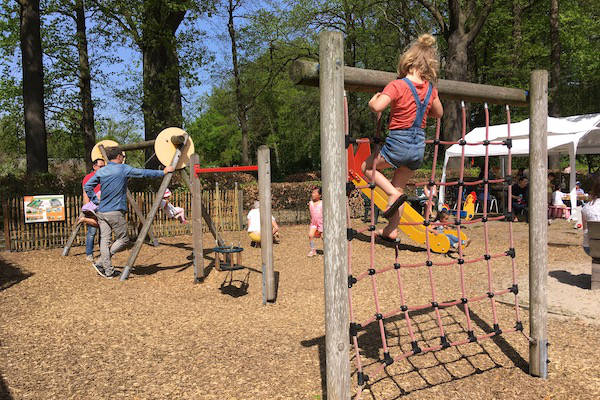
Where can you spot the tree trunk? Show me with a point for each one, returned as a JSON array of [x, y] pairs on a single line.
[[553, 94], [457, 67], [554, 106], [33, 87], [85, 87], [516, 31], [162, 94], [241, 107]]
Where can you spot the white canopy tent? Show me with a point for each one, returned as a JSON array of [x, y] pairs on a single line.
[[578, 134]]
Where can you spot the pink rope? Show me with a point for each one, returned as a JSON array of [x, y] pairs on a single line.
[[404, 309]]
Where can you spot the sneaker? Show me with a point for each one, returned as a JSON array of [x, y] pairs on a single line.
[[99, 269], [312, 253], [113, 274], [90, 257]]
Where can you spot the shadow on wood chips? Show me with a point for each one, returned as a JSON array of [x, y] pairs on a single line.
[[11, 274], [4, 392], [370, 345], [582, 281]]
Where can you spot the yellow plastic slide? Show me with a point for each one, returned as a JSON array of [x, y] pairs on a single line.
[[437, 241]]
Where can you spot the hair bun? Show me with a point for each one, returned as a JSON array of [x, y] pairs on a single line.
[[426, 40]]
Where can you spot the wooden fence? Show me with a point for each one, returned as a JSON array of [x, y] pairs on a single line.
[[225, 207]]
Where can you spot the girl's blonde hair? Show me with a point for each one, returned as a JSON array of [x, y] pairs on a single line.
[[422, 56]]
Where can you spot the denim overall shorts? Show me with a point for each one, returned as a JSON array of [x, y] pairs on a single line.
[[407, 146]]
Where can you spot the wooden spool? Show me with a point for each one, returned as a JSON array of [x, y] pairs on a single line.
[[166, 144], [96, 154]]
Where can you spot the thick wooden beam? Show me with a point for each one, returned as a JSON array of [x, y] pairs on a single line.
[[538, 225], [196, 189], [335, 242], [266, 226], [304, 72]]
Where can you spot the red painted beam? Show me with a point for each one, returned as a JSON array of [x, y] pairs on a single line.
[[199, 170]]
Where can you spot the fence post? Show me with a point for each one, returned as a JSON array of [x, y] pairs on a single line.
[[333, 172], [538, 224], [7, 244], [266, 230]]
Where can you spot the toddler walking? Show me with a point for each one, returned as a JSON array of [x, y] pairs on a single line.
[[315, 205], [412, 98]]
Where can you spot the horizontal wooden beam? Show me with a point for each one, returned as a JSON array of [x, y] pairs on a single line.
[[176, 140], [247, 168], [304, 72], [135, 146]]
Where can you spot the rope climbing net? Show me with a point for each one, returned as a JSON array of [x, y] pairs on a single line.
[[400, 308]]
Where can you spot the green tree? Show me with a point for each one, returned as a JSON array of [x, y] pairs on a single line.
[[151, 26]]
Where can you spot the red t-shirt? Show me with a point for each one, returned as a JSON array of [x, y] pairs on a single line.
[[403, 107], [87, 178]]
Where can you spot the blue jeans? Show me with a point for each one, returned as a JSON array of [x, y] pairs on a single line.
[[89, 239], [587, 250], [453, 239]]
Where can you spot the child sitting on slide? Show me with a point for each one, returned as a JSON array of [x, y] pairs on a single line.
[[315, 205], [170, 210], [444, 217], [411, 98]]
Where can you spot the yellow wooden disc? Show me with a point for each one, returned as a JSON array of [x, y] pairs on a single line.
[[96, 154], [165, 149]]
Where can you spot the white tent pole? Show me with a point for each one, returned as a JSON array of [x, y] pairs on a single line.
[[573, 179], [442, 191]]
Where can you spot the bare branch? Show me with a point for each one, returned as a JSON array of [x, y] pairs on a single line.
[[474, 31], [437, 15]]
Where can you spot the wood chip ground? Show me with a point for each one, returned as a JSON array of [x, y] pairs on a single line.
[[66, 333]]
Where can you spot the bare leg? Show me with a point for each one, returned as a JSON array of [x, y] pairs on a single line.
[[380, 179], [88, 221], [311, 238]]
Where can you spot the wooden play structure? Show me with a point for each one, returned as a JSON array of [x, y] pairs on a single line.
[[332, 78], [174, 147]]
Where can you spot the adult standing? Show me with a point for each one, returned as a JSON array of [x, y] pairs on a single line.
[[113, 205], [89, 217]]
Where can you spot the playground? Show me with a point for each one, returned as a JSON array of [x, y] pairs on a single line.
[[66, 334]]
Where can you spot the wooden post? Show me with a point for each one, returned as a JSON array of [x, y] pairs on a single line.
[[150, 217], [5, 212], [73, 235], [217, 206], [205, 214], [196, 190], [266, 226], [138, 212], [538, 224], [333, 173], [239, 197]]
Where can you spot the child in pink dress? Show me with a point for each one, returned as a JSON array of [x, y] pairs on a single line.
[[316, 219], [170, 210]]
